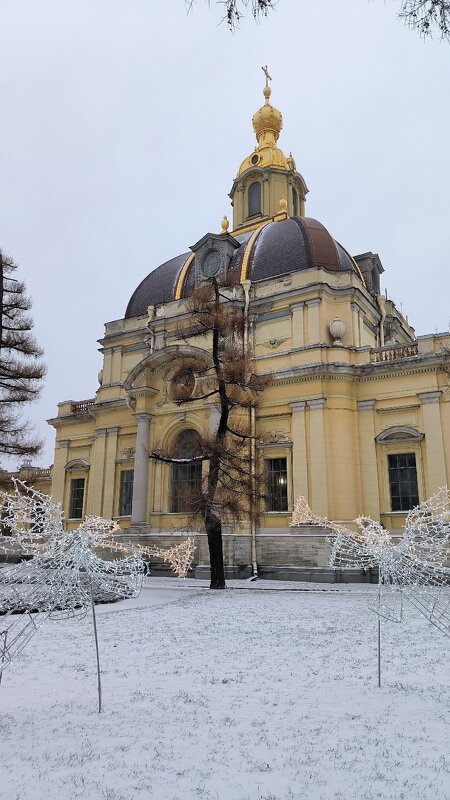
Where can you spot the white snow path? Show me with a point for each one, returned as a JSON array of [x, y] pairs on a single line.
[[246, 694]]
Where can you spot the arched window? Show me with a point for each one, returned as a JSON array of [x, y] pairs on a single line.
[[294, 202], [186, 478], [254, 198]]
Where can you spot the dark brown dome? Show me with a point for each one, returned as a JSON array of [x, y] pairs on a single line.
[[274, 249]]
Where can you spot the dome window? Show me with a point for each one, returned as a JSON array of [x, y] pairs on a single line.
[[254, 199], [294, 202]]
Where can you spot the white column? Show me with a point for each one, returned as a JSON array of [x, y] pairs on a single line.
[[141, 464]]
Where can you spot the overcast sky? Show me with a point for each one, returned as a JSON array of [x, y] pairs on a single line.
[[123, 123]]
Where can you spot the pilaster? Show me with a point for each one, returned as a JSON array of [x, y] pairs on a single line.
[[318, 458], [356, 325], [110, 473], [436, 474], [298, 334], [368, 459], [58, 473], [299, 453], [313, 320], [94, 500]]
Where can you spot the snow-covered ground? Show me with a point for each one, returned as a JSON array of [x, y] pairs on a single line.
[[247, 694]]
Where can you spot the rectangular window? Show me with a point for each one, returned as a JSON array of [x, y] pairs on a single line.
[[126, 492], [186, 483], [76, 498], [403, 481], [276, 486]]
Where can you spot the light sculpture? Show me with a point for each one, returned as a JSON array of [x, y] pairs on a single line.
[[65, 571], [417, 567]]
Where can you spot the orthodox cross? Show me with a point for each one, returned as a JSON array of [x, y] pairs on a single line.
[[266, 73]]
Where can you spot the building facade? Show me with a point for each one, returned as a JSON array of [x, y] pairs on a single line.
[[356, 419]]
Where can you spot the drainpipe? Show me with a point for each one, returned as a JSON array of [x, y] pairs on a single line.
[[382, 306], [246, 286]]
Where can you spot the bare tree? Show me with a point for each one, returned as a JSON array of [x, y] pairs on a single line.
[[231, 490], [427, 16], [424, 16], [21, 368], [234, 10]]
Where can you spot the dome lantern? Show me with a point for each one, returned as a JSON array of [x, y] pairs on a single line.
[[266, 175]]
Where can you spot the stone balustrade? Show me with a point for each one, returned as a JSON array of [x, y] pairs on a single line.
[[394, 352]]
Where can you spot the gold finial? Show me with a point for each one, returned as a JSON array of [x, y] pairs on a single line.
[[283, 203], [267, 91], [267, 122], [225, 224]]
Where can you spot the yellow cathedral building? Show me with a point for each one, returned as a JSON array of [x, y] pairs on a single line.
[[356, 419]]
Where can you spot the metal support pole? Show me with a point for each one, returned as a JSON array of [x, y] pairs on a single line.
[[379, 652], [99, 683], [5, 635]]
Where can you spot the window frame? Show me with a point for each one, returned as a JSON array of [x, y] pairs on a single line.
[[410, 498], [122, 509], [72, 499], [251, 199], [275, 498], [183, 474], [398, 440]]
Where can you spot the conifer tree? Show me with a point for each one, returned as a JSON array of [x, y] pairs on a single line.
[[232, 488], [21, 367]]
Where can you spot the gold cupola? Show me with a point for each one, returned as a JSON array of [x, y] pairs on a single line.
[[267, 122], [266, 175]]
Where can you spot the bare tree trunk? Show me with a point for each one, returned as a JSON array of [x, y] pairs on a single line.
[[213, 527]]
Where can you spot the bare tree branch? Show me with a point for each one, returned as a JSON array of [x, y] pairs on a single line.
[[427, 17]]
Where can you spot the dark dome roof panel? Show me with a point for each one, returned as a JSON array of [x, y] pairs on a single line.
[[281, 247], [289, 245], [158, 287]]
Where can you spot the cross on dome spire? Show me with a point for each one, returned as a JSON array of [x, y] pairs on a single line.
[[266, 73]]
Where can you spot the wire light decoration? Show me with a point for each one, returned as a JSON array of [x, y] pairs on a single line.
[[416, 568], [67, 570]]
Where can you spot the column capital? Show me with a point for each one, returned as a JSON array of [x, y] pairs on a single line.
[[317, 403], [312, 303], [142, 416], [365, 405], [430, 397], [63, 442], [100, 432], [297, 306], [299, 405], [113, 431]]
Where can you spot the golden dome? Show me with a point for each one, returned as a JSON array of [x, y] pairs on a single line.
[[267, 122]]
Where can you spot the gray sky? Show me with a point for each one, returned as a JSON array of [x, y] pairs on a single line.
[[123, 123]]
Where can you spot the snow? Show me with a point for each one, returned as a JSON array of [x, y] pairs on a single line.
[[266, 691]]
